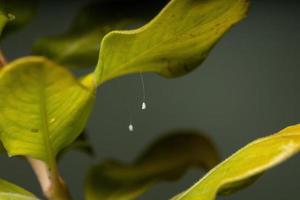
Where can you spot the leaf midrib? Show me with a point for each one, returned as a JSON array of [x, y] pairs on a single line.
[[44, 119]]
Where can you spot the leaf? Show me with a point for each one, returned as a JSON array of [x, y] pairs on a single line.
[[246, 165], [23, 12], [165, 160], [43, 108], [9, 191], [1, 148], [79, 47], [174, 43], [81, 144]]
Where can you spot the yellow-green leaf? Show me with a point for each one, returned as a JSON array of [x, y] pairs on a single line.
[[1, 148], [79, 47], [43, 108], [243, 167], [165, 160], [9, 191], [174, 43]]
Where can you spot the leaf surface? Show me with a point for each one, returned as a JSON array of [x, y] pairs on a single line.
[[9, 191], [246, 165], [43, 108], [174, 43], [79, 47], [165, 160]]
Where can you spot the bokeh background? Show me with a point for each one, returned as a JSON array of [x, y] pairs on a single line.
[[247, 88]]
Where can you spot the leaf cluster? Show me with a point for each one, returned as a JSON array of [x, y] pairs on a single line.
[[45, 108]]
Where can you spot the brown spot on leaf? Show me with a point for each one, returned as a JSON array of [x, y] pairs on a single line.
[[34, 130]]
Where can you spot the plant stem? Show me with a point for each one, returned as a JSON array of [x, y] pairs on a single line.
[[51, 183], [3, 60]]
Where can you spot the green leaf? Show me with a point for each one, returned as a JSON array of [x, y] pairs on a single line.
[[23, 12], [79, 47], [243, 167], [9, 191], [43, 108], [165, 160], [1, 148], [174, 43], [81, 144]]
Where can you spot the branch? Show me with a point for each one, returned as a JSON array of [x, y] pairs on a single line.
[[51, 183], [40, 169]]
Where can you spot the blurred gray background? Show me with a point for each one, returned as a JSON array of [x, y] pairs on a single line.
[[247, 88]]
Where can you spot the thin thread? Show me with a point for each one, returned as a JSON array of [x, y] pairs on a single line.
[[143, 91], [130, 126]]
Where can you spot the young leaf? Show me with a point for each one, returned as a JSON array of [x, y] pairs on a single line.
[[79, 47], [243, 167], [174, 43], [81, 144], [23, 11], [165, 160], [9, 191], [43, 108]]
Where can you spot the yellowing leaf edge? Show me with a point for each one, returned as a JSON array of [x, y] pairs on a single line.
[[288, 141]]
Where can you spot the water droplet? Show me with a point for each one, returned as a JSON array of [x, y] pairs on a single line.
[[144, 106], [130, 127]]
